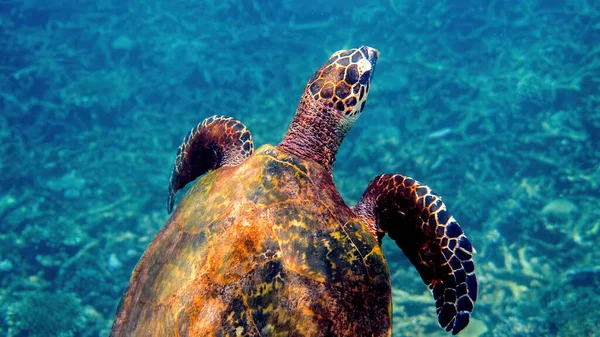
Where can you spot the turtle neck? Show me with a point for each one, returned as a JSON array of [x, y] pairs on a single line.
[[316, 132]]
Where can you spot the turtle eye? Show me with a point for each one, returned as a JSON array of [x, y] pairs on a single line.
[[343, 81]]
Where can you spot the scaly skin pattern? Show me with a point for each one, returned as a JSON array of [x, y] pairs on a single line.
[[417, 219], [265, 248], [216, 142], [332, 101]]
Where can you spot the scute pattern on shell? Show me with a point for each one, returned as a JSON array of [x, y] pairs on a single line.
[[264, 248]]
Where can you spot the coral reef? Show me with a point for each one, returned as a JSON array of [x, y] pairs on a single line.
[[492, 104], [44, 314]]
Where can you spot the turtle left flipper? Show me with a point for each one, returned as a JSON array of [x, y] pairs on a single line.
[[417, 219], [216, 142]]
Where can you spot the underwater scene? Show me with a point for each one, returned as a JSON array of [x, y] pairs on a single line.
[[495, 105]]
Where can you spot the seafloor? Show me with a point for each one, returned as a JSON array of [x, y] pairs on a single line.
[[494, 104]]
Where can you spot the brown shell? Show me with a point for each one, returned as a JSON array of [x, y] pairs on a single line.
[[266, 248]]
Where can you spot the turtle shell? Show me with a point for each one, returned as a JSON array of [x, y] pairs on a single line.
[[265, 248]]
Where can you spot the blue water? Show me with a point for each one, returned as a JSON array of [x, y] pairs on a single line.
[[495, 105]]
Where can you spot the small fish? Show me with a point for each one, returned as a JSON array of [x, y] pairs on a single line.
[[439, 133]]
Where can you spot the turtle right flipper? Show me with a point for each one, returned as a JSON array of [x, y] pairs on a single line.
[[417, 219], [216, 142]]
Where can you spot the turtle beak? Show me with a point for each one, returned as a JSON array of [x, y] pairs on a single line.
[[372, 56]]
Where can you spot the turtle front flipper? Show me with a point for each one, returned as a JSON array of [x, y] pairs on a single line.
[[418, 221], [216, 142]]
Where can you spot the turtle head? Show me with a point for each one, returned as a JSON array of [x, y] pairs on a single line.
[[332, 101], [342, 83]]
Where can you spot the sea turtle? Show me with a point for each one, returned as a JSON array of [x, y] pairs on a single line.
[[264, 245]]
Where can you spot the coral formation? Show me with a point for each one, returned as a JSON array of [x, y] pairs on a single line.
[[44, 314], [493, 104]]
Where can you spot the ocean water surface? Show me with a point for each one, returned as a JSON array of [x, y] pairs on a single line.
[[493, 104]]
